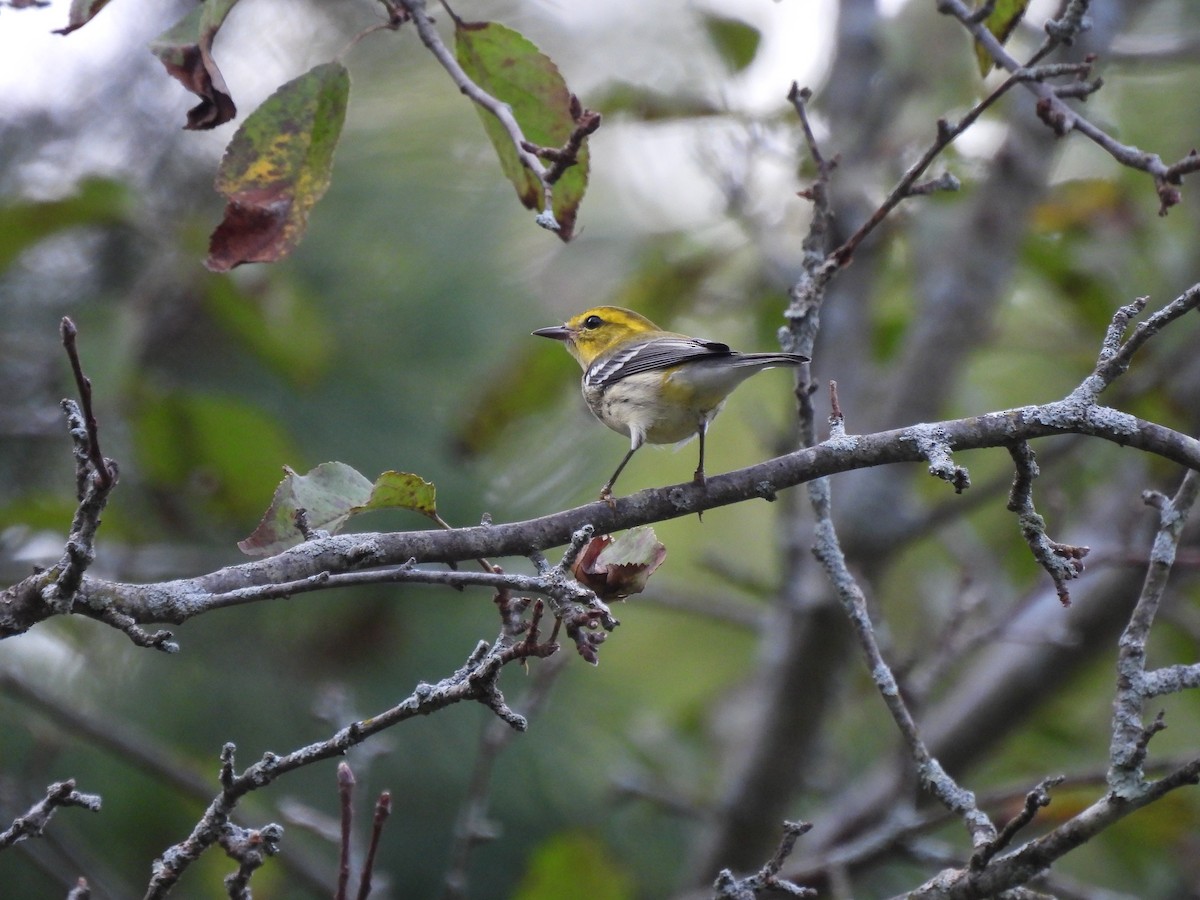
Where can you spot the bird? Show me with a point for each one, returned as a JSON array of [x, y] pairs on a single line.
[[651, 385]]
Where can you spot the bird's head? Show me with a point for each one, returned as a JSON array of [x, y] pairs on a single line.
[[597, 330]]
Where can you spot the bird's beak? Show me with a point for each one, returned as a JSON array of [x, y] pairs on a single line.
[[557, 332]]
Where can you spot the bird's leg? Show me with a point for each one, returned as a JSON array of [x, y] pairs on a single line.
[[698, 478], [606, 491]]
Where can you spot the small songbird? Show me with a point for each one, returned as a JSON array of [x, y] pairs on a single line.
[[654, 385]]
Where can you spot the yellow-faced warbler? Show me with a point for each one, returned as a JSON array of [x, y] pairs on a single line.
[[654, 385]]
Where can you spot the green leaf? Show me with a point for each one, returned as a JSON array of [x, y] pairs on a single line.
[[1005, 17], [736, 41], [402, 490], [277, 167], [510, 68], [98, 201], [186, 51], [82, 12], [328, 494]]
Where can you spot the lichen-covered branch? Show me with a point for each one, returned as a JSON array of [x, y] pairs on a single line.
[[1063, 562], [933, 777], [34, 822], [320, 563], [1063, 118], [1129, 736]]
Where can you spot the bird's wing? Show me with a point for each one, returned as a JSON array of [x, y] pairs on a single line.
[[660, 353]]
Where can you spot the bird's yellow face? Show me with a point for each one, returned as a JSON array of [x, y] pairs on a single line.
[[590, 333]]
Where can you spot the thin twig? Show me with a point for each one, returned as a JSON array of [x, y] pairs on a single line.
[[1129, 735], [1063, 562], [1035, 800], [933, 777], [807, 295], [396, 16], [383, 809], [1063, 119], [345, 784], [95, 477], [503, 113], [767, 878], [1116, 356], [908, 185], [476, 680], [33, 822], [100, 466]]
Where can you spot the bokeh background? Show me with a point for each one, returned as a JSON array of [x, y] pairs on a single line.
[[397, 337]]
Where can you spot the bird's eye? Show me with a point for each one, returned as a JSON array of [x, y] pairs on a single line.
[[593, 322]]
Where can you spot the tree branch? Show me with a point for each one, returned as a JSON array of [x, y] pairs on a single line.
[[1063, 119], [304, 568], [503, 113], [1063, 562], [854, 602], [766, 880], [1129, 737], [34, 822], [476, 680], [1033, 858]]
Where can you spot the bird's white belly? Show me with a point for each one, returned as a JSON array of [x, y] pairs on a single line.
[[634, 406]]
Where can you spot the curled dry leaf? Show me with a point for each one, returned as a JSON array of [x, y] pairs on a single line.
[[616, 568], [186, 52]]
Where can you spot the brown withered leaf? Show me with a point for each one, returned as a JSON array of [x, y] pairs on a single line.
[[186, 52], [616, 568]]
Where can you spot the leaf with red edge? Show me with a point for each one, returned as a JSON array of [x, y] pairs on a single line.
[[614, 569], [1004, 18], [511, 68], [82, 12], [186, 52], [328, 494], [277, 167]]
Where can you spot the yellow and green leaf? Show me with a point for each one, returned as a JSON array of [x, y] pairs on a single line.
[[277, 167]]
